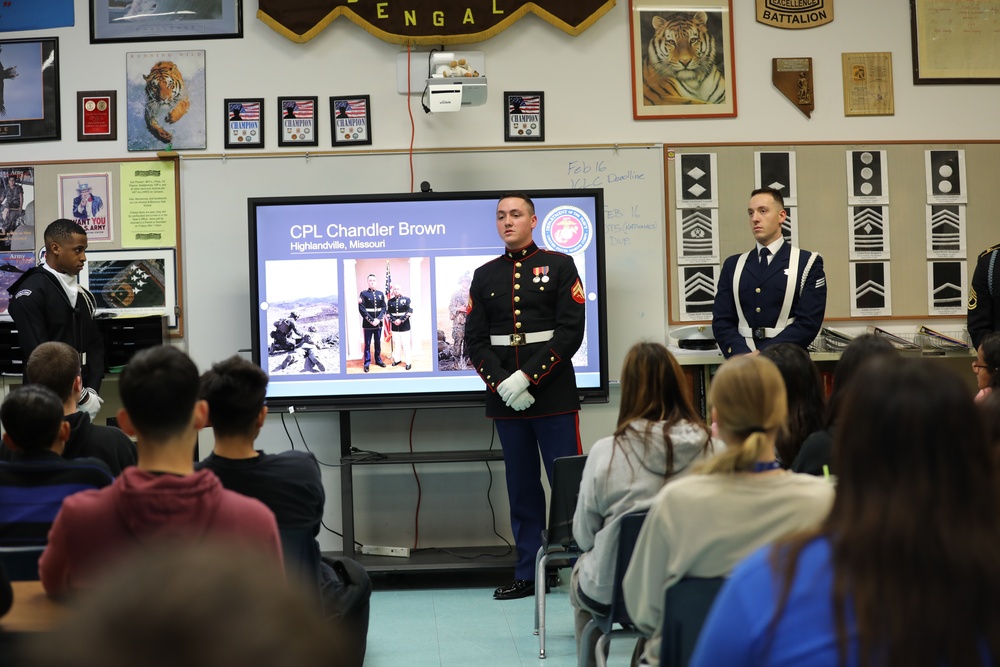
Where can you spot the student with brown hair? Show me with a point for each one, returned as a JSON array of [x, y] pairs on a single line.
[[704, 524], [658, 437], [906, 568]]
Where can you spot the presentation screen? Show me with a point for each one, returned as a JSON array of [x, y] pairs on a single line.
[[320, 264]]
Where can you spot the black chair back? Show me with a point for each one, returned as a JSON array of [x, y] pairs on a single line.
[[21, 563], [567, 473], [685, 608], [628, 535]]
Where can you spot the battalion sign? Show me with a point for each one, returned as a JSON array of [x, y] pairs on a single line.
[[433, 22], [794, 14]]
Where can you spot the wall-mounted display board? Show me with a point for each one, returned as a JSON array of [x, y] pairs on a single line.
[[131, 211], [899, 224]]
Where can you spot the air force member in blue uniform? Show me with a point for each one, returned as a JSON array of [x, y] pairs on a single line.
[[525, 322], [773, 294]]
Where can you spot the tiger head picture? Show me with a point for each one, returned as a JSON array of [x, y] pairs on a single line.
[[165, 92], [680, 64]]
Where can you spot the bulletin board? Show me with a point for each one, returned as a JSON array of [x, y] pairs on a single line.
[[827, 220], [131, 211]]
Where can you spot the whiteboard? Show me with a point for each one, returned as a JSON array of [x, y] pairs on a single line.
[[214, 219]]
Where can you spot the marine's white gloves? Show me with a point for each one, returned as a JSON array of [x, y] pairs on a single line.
[[522, 401], [512, 386], [89, 402]]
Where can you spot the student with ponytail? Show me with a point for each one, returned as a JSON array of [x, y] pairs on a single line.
[[704, 524]]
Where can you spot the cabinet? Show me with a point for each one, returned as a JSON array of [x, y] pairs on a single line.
[[420, 560]]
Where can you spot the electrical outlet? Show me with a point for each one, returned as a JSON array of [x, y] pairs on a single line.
[[401, 552]]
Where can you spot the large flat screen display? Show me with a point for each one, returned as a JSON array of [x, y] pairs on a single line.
[[315, 262]]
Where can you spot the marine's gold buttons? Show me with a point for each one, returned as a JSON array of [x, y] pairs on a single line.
[[544, 367], [757, 290], [517, 264], [758, 310], [536, 376], [518, 325], [516, 286], [516, 299], [517, 312], [517, 275]]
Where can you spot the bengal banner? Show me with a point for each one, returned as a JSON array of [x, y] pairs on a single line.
[[420, 22]]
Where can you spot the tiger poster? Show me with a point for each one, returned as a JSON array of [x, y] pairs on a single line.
[[682, 60], [166, 100]]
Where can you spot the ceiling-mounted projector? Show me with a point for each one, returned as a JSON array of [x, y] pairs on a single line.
[[454, 84]]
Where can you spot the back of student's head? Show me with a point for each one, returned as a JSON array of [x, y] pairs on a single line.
[[858, 352], [159, 389], [915, 523], [654, 388], [54, 365], [748, 396], [234, 389], [32, 416], [193, 606], [806, 401]]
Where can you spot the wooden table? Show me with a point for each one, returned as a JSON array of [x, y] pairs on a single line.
[[32, 610]]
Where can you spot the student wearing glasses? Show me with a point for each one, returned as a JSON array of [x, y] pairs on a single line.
[[987, 364]]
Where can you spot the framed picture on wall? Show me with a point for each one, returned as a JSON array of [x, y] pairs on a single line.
[[165, 95], [29, 89], [682, 59], [133, 283], [97, 115], [244, 119], [351, 120], [159, 20], [524, 116], [297, 121], [955, 42]]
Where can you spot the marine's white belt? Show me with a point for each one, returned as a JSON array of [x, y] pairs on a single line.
[[514, 340]]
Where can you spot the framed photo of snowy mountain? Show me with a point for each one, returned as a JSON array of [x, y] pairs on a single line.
[[160, 20]]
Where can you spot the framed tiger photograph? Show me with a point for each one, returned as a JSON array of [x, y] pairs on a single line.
[[165, 95], [682, 59]]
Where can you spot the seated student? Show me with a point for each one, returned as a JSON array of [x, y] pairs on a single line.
[[906, 568], [815, 453], [34, 484], [703, 524], [806, 400], [288, 483], [57, 366], [659, 435], [987, 364], [161, 498], [189, 605]]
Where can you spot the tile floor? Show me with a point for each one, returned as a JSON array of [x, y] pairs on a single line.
[[418, 621]]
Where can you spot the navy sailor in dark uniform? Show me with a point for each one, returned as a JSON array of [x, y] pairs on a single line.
[[773, 294], [371, 305], [525, 321]]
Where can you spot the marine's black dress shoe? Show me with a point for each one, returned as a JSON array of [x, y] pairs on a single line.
[[396, 363], [519, 588], [366, 368], [379, 362], [409, 366]]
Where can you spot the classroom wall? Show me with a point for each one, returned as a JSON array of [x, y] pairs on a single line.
[[587, 87]]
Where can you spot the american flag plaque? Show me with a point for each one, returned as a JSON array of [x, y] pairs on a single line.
[[524, 116], [297, 121], [351, 120], [244, 123]]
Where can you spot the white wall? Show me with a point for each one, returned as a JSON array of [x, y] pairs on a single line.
[[587, 87]]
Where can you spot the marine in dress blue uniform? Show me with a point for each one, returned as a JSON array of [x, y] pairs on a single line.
[[984, 298], [371, 305], [525, 321], [763, 286]]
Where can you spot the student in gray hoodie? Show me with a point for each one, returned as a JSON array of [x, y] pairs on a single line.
[[658, 436]]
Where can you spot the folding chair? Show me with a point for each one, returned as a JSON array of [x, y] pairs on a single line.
[[557, 539], [685, 608], [631, 524]]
